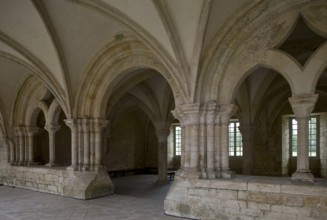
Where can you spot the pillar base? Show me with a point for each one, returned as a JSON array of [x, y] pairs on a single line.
[[211, 174], [51, 164], [31, 164], [303, 176], [227, 174], [86, 168], [72, 168]]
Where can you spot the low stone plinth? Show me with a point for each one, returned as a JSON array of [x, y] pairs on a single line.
[[246, 197], [75, 184]]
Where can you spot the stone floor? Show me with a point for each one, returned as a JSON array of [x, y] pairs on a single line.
[[136, 198]]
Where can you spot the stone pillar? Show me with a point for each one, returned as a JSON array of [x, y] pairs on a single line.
[[302, 107], [203, 147], [12, 153], [72, 124], [189, 116], [227, 111], [20, 153], [86, 143], [52, 129], [80, 145], [31, 131], [211, 114], [98, 125], [162, 135]]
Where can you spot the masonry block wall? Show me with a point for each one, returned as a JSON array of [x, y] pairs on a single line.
[[131, 145], [252, 198]]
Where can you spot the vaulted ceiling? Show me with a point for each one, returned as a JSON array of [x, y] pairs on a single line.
[[56, 40]]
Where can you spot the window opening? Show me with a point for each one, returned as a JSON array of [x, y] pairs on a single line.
[[235, 139], [178, 140], [313, 136]]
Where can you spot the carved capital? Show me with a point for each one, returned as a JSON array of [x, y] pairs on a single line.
[[303, 105], [188, 114], [99, 124], [30, 131], [52, 128], [226, 112]]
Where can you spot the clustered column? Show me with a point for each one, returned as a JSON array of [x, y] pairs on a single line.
[[22, 153], [302, 107], [205, 138], [86, 141], [189, 117]]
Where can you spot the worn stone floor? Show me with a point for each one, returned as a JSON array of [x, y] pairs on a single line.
[[136, 198]]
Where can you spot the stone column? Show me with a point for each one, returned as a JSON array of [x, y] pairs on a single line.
[[31, 131], [12, 154], [52, 129], [162, 135], [227, 111], [189, 116], [72, 124], [86, 143], [302, 107], [80, 145], [211, 134], [98, 125], [20, 153], [203, 147], [217, 147]]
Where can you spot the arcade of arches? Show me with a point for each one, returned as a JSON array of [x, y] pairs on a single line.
[[94, 89]]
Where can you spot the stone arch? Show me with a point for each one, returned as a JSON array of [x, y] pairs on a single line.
[[53, 113], [43, 75], [251, 41], [317, 63], [233, 88], [113, 64], [28, 97]]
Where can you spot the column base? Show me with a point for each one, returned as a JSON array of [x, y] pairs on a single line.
[[51, 164], [72, 168], [32, 163], [211, 174], [86, 168], [303, 176], [227, 174]]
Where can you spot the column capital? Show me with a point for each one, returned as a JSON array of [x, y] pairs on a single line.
[[303, 105], [99, 124], [71, 123], [210, 112], [30, 131], [188, 114], [19, 131], [226, 112], [52, 127]]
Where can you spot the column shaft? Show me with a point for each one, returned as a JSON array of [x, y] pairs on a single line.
[[72, 124], [52, 129], [86, 142], [302, 145], [210, 151]]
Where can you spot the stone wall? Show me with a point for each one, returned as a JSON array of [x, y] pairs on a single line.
[[131, 144], [246, 197], [76, 184]]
